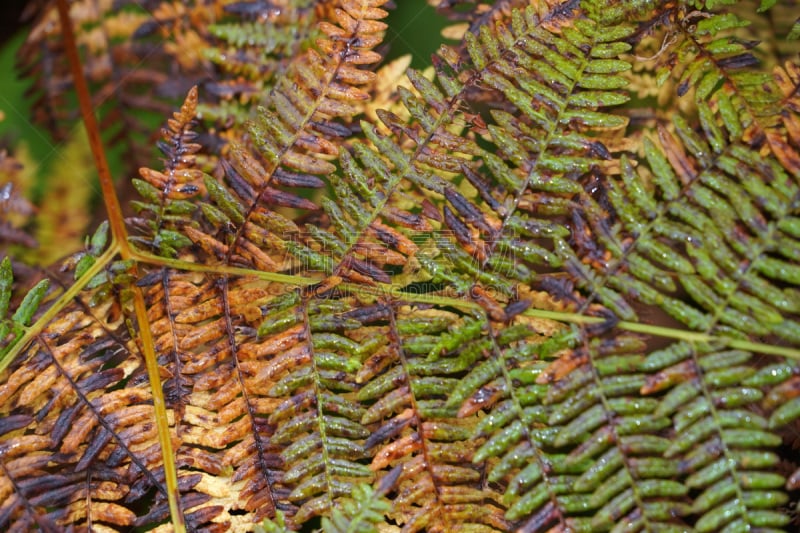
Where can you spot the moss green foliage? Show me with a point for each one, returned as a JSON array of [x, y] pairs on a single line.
[[553, 284]]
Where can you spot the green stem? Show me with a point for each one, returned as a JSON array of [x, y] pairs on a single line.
[[672, 333], [397, 293], [160, 408], [62, 301], [178, 264]]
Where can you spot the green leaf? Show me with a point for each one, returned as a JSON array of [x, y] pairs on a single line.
[[30, 303], [6, 283], [224, 200], [766, 4]]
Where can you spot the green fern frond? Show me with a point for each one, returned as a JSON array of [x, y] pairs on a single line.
[[701, 191], [361, 514], [628, 486], [364, 512], [418, 431], [718, 66], [321, 431]]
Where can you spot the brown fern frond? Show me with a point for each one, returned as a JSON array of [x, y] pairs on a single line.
[[203, 332], [135, 55], [165, 193], [72, 451], [303, 119], [111, 63]]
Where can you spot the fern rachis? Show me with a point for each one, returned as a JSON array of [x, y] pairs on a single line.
[[452, 335]]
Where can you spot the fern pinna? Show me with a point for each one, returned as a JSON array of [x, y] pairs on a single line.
[[549, 284]]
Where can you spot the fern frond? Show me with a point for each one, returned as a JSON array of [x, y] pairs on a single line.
[[407, 381], [113, 65], [208, 389], [551, 141], [717, 65], [250, 52], [728, 460], [433, 152], [703, 185], [294, 135], [410, 162], [147, 56], [603, 404], [701, 192], [11, 328], [500, 311], [92, 449], [166, 194], [478, 13]]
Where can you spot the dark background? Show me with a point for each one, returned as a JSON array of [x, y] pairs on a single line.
[[10, 13]]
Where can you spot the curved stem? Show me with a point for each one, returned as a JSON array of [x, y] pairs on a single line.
[[113, 208], [120, 235]]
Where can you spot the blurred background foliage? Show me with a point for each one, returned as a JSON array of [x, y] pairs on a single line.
[[414, 28]]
